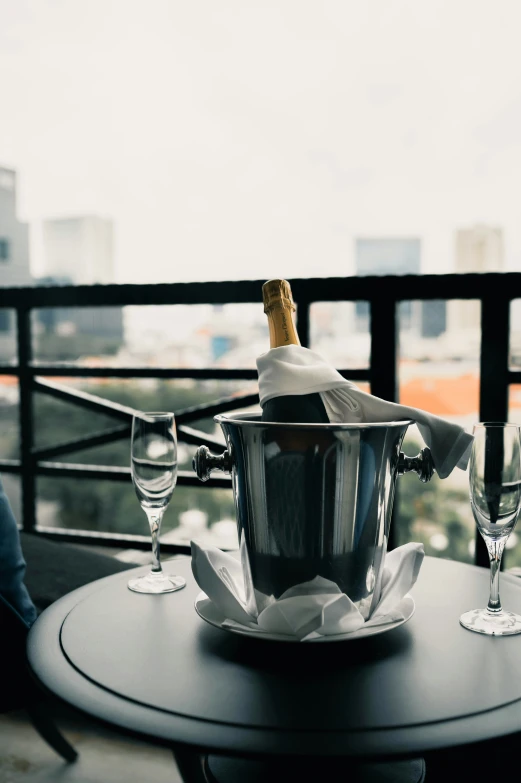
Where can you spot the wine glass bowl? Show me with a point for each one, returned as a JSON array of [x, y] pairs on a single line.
[[495, 499], [153, 460], [154, 480]]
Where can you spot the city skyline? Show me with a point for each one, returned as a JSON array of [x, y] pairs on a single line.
[[478, 248], [40, 241], [216, 158]]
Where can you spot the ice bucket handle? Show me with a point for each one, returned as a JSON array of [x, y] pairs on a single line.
[[204, 462], [422, 464]]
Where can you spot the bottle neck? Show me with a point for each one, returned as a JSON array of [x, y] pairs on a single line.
[[281, 326]]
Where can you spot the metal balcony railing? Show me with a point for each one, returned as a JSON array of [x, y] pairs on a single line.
[[495, 291]]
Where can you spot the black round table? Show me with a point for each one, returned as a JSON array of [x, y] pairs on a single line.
[[150, 666]]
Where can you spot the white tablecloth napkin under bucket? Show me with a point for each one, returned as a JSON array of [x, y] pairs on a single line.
[[317, 607]]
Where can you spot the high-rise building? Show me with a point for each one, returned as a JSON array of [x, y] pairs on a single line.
[[79, 248], [434, 317], [14, 255], [478, 249], [388, 256], [14, 235], [393, 256], [79, 251], [398, 256]]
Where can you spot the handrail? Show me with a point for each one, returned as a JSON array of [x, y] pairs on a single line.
[[317, 289], [495, 291]]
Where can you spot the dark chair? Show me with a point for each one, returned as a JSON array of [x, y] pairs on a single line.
[[17, 688], [53, 570], [56, 568]]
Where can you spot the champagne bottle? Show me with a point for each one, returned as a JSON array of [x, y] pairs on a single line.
[[296, 408]]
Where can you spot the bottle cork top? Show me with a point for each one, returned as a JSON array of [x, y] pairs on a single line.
[[277, 293]]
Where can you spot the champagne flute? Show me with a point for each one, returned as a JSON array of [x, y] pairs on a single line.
[[495, 497], [154, 475]]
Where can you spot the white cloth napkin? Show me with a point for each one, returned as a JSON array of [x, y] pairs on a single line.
[[311, 609], [293, 369]]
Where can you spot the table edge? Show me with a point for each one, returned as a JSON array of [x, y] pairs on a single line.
[[51, 668]]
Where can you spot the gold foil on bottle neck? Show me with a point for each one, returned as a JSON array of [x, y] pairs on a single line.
[[277, 293]]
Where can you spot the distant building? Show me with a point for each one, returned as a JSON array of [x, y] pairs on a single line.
[[434, 317], [391, 256], [223, 336], [79, 251], [14, 255], [398, 256], [79, 248], [478, 249], [94, 322]]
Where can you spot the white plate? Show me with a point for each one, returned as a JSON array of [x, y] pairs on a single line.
[[209, 612]]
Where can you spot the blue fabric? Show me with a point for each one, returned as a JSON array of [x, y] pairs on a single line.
[[12, 564]]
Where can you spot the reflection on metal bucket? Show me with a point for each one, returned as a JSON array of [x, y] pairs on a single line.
[[312, 500]]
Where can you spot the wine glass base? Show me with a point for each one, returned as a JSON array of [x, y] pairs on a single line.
[[490, 623], [156, 583]]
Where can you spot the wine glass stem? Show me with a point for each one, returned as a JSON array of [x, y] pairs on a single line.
[[154, 520], [495, 551]]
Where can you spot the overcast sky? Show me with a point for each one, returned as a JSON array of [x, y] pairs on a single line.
[[251, 138]]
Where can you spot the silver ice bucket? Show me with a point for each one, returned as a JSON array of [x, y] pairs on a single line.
[[312, 500]]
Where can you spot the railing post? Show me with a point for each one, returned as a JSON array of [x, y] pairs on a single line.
[[384, 375], [384, 348], [26, 418], [493, 378]]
